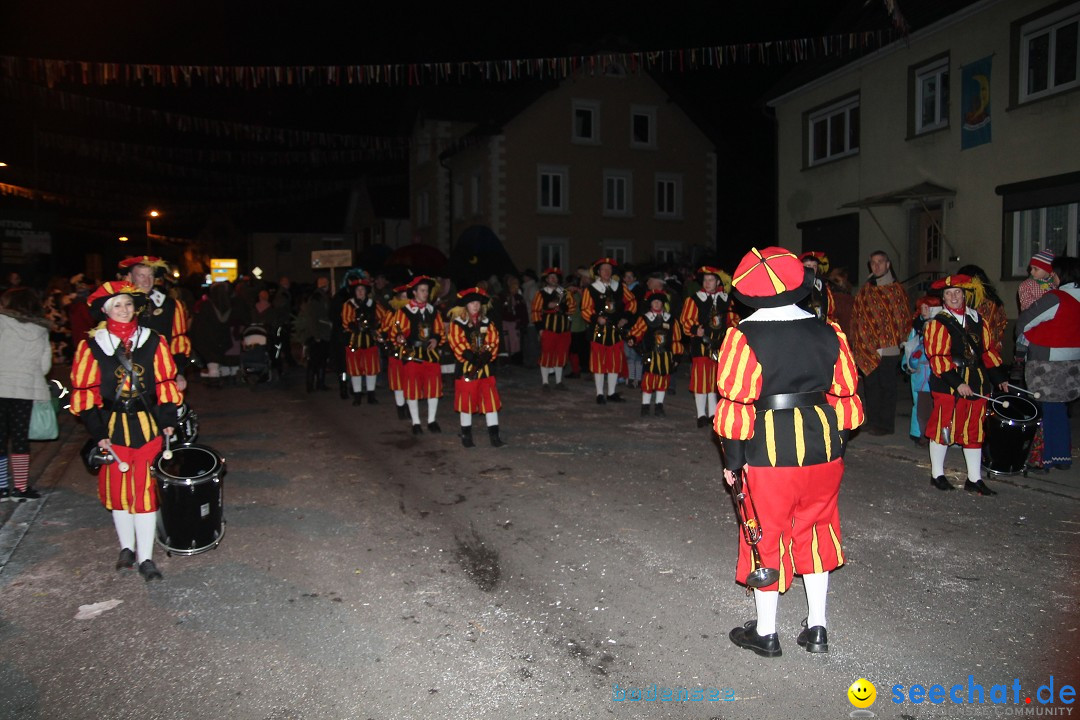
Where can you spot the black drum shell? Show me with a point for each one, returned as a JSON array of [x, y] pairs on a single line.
[[1008, 433], [190, 490]]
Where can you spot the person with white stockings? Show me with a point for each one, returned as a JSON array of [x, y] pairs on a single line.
[[608, 307], [418, 330], [784, 426], [704, 321], [552, 309], [362, 319], [123, 387], [474, 340]]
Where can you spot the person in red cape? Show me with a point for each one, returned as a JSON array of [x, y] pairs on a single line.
[[123, 387], [474, 340], [785, 425]]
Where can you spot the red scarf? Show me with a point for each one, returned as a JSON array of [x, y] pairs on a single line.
[[122, 330]]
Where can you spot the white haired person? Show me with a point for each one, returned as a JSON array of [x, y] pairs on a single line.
[[123, 384]]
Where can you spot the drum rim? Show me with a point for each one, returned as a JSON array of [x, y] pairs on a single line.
[[211, 474]]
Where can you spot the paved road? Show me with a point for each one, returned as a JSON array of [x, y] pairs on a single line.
[[366, 573]]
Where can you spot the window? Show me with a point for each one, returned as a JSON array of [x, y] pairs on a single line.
[[586, 122], [1049, 61], [459, 200], [931, 110], [474, 194], [617, 250], [833, 131], [642, 126], [552, 189], [667, 252], [1047, 227], [423, 209], [553, 253], [668, 195], [617, 193]]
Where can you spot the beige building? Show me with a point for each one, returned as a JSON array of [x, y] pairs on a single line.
[[871, 155], [603, 165]]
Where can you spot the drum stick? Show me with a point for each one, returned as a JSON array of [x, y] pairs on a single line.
[[167, 453], [1035, 394], [1004, 403], [124, 467]]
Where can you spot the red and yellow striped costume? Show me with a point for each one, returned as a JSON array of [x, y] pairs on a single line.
[[659, 340], [361, 322], [474, 386], [99, 388], [551, 311], [166, 315], [793, 456], [414, 326], [712, 314], [959, 355], [881, 318], [612, 302]]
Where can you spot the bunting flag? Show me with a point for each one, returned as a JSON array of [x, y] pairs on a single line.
[[52, 73]]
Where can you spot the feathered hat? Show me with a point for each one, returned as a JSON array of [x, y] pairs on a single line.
[[721, 277], [974, 292], [108, 290], [150, 261]]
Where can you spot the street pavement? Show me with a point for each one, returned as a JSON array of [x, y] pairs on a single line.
[[368, 573]]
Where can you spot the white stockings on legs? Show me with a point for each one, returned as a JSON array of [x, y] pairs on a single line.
[[817, 591], [766, 610]]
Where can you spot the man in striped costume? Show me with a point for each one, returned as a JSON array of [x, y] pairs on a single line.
[[418, 331], [362, 319], [786, 423], [162, 312], [704, 321], [607, 306], [474, 340], [551, 311], [658, 337]]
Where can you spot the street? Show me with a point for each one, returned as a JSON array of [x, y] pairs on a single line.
[[370, 573]]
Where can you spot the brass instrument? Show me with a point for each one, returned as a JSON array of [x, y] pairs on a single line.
[[759, 576], [479, 347], [711, 342]]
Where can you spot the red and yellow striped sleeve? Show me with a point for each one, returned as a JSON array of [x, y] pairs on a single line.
[[676, 339], [842, 395], [538, 307], [738, 380], [588, 310], [179, 342], [629, 300], [85, 379], [382, 316], [348, 315], [439, 326], [689, 318], [571, 303], [165, 376], [638, 330], [831, 302], [938, 344], [991, 356], [457, 340]]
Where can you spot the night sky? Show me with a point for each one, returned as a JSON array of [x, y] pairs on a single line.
[[225, 33]]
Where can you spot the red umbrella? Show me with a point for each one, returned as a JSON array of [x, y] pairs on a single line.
[[419, 258]]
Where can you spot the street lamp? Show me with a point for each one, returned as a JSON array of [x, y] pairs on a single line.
[[151, 214]]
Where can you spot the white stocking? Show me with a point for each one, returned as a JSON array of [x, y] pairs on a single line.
[[399, 397], [466, 419], [125, 528], [598, 380], [646, 398], [937, 458], [973, 458], [612, 378], [711, 405], [414, 410], [145, 528], [766, 610], [357, 383], [432, 409], [370, 382], [491, 418], [699, 400], [660, 395], [558, 375], [817, 591]]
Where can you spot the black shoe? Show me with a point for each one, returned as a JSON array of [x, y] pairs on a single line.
[[126, 559], [941, 483], [149, 571], [493, 434], [815, 639], [659, 411], [433, 427], [5, 494], [978, 487], [615, 397], [601, 400], [703, 421], [561, 386], [644, 410], [545, 387], [466, 437], [747, 637], [371, 399], [357, 398], [402, 412], [417, 430], [28, 494]]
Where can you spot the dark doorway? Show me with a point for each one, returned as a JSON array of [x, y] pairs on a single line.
[[837, 237]]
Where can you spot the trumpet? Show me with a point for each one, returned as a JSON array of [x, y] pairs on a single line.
[[759, 575]]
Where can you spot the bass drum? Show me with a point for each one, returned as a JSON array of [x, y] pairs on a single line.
[[1008, 433], [190, 488]]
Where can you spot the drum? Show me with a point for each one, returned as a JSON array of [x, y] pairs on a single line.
[[1008, 434], [187, 425], [190, 492]]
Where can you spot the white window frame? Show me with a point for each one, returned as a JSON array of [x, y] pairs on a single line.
[[649, 112], [662, 249], [617, 250], [1024, 248], [668, 179], [592, 107], [560, 205], [475, 184], [423, 209], [546, 258], [939, 70], [842, 108], [611, 207], [1051, 23]]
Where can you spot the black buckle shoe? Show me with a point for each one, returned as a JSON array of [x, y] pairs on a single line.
[[658, 411], [815, 639], [149, 571], [979, 487], [601, 400], [126, 561], [615, 397], [747, 637], [433, 427], [941, 483], [644, 410], [417, 430], [466, 436], [703, 421]]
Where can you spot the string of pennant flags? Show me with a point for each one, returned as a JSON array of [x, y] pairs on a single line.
[[52, 73]]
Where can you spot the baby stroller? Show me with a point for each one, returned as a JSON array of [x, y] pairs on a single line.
[[255, 360]]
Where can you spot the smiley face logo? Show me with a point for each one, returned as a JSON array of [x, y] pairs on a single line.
[[862, 693]]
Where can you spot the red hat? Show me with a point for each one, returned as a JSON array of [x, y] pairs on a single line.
[[417, 281], [602, 261], [656, 295], [108, 291], [974, 291], [147, 260], [819, 257], [1044, 260], [470, 294], [554, 271], [953, 281], [772, 277]]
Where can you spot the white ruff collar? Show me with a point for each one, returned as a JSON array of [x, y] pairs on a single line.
[[601, 286], [784, 312], [111, 343]]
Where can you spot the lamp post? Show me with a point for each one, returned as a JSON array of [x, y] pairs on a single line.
[[149, 216]]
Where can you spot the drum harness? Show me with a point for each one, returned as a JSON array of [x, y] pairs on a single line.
[[124, 355]]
